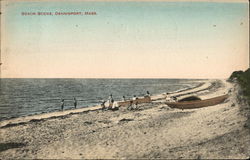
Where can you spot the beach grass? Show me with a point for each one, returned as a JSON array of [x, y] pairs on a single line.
[[243, 78]]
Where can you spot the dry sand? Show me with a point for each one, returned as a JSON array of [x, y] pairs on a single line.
[[153, 131]]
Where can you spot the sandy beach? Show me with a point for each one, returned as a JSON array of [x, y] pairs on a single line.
[[153, 131]]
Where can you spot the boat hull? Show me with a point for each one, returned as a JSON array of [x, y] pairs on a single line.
[[198, 103]]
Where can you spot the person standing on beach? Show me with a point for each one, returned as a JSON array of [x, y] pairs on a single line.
[[110, 100], [135, 102], [62, 104], [75, 102], [130, 105], [168, 97], [115, 106], [123, 98], [148, 94], [135, 105]]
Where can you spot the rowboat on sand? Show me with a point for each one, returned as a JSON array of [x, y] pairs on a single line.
[[197, 103]]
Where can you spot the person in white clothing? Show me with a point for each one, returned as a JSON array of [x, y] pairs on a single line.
[[115, 105], [135, 98]]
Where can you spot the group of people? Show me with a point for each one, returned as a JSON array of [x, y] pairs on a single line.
[[113, 105], [110, 103], [74, 101]]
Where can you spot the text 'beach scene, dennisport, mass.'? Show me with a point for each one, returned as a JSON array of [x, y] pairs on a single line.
[[126, 79]]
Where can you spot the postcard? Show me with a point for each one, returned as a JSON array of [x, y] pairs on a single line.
[[126, 79]]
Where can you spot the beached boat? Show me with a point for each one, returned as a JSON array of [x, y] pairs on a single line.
[[197, 103], [145, 99]]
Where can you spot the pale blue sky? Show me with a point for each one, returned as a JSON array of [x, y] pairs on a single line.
[[126, 40]]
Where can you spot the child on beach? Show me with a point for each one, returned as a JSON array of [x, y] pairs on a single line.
[[135, 105]]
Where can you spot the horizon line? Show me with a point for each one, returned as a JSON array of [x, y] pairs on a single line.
[[212, 1]]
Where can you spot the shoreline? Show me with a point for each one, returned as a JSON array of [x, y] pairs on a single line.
[[55, 114], [153, 131]]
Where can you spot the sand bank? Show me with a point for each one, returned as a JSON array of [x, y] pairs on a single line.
[[153, 131]]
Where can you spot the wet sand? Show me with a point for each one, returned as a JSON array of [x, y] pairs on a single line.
[[152, 131]]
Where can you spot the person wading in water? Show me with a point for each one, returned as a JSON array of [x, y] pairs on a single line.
[[62, 104], [75, 102]]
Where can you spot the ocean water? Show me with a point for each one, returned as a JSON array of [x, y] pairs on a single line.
[[22, 97]]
